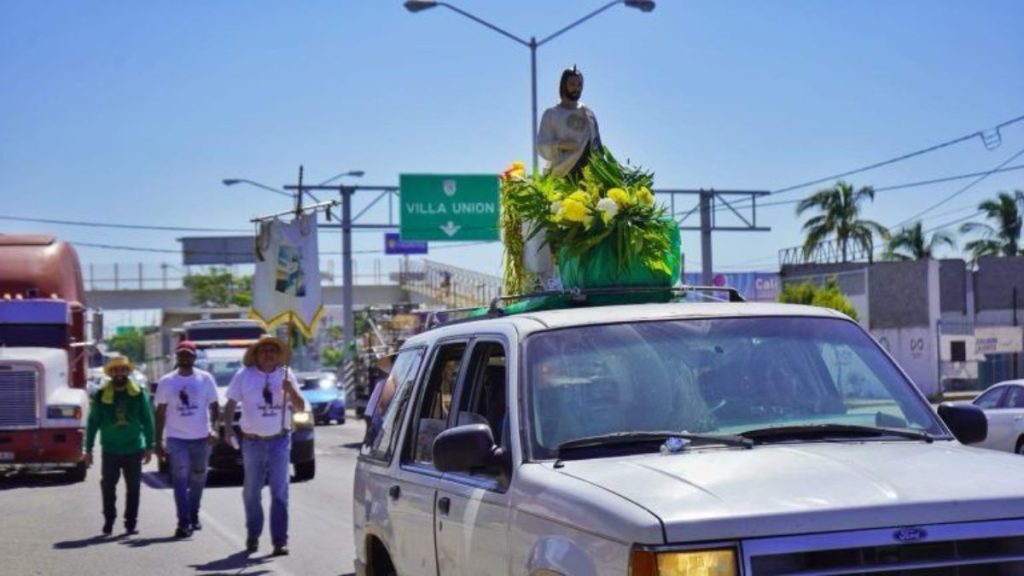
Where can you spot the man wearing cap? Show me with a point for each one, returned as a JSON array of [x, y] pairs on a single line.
[[264, 388], [120, 413], [186, 405]]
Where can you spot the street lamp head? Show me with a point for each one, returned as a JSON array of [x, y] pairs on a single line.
[[419, 5], [357, 173], [641, 5], [230, 181]]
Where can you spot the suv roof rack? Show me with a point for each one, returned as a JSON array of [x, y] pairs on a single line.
[[574, 297]]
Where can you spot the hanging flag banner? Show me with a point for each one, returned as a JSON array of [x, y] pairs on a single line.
[[286, 284]]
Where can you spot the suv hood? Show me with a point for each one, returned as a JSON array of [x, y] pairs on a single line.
[[729, 493]]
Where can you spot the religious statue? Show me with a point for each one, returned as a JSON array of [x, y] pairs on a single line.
[[568, 131]]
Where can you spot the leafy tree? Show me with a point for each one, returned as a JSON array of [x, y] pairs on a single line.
[[913, 244], [129, 342], [219, 287], [331, 357], [828, 296], [840, 217], [1003, 239]]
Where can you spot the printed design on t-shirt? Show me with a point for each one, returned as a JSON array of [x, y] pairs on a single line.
[[185, 406], [121, 414], [268, 408]]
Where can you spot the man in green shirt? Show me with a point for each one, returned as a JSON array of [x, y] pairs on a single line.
[[120, 412]]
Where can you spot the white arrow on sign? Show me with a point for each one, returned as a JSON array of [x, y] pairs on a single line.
[[450, 228]]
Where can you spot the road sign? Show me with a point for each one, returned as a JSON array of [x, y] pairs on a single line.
[[449, 207], [393, 244]]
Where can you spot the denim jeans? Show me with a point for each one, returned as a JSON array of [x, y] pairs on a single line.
[[110, 473], [188, 459], [265, 460]]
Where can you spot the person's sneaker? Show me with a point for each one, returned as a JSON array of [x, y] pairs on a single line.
[[280, 550], [196, 525], [108, 527], [130, 527], [182, 532], [252, 545]]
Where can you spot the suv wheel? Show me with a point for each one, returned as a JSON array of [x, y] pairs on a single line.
[[305, 470], [1020, 446]]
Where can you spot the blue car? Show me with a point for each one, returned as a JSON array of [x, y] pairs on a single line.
[[325, 397]]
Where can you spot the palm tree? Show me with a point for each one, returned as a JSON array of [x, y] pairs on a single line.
[[911, 243], [840, 215], [1004, 238]]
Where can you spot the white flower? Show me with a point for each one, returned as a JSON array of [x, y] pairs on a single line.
[[608, 206], [556, 207]]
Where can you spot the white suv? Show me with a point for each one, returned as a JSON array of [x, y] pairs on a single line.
[[675, 439]]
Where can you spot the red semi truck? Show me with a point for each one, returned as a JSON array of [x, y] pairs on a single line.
[[43, 352]]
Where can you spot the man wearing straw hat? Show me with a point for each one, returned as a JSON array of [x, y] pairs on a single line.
[[120, 413], [264, 388]]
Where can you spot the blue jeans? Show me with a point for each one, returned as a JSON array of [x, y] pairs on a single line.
[[189, 460], [265, 460]]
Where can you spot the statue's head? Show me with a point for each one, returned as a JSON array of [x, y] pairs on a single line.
[[570, 86]]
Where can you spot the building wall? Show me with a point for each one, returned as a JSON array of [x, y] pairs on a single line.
[[953, 277], [898, 294]]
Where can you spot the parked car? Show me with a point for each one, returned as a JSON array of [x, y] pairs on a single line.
[[1003, 404], [325, 397], [675, 438]]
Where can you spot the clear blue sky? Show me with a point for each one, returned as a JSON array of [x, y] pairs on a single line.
[[133, 112]]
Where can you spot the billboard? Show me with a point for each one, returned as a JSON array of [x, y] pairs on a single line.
[[217, 250], [754, 286]]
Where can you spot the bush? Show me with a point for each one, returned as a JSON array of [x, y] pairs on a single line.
[[828, 296]]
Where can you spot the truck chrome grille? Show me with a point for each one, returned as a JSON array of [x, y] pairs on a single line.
[[954, 550], [18, 399]]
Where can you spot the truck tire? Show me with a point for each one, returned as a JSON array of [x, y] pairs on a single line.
[[78, 473], [305, 470]]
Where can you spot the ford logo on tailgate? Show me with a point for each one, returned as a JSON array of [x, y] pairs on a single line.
[[910, 534]]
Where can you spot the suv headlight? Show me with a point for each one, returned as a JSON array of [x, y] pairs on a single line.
[[66, 411], [711, 562], [302, 418]]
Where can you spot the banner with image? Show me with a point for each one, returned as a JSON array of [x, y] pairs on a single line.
[[286, 284]]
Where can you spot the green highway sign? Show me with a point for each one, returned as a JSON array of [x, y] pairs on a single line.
[[449, 207]]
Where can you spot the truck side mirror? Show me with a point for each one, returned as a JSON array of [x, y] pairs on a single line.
[[466, 448], [967, 421]]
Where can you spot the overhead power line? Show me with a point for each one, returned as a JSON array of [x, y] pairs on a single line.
[[991, 139], [126, 248], [122, 226], [963, 189]]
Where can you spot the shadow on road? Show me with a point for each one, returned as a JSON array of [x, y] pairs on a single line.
[[86, 542], [34, 480], [143, 542], [155, 480], [232, 564], [353, 445]]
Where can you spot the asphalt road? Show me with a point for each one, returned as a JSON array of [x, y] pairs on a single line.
[[49, 527]]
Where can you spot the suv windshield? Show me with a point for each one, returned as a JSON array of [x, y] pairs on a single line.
[[222, 370], [720, 376]]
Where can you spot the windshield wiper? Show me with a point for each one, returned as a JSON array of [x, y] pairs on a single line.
[[648, 437], [810, 431]]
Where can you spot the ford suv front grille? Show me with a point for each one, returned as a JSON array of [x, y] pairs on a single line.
[[18, 399], [950, 550]]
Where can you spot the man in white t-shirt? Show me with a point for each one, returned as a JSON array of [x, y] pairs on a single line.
[[186, 406], [265, 389]]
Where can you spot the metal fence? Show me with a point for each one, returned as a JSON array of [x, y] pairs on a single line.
[[450, 285], [164, 276]]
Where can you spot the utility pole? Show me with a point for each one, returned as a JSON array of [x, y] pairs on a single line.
[[347, 224]]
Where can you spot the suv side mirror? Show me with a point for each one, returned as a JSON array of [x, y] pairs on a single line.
[[967, 421], [465, 448]]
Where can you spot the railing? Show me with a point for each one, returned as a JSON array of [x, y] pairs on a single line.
[[164, 276], [830, 252], [450, 285]]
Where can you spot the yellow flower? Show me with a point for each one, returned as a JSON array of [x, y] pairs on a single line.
[[645, 196], [581, 197], [620, 196], [516, 170], [573, 210]]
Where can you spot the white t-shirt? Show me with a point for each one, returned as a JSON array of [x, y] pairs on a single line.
[[188, 400], [261, 398]]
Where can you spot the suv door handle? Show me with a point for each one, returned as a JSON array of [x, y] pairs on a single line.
[[444, 505], [395, 491]]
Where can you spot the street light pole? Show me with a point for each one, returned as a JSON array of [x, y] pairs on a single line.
[[420, 5]]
